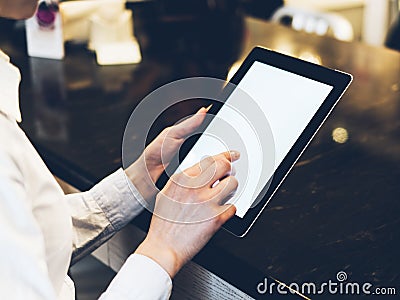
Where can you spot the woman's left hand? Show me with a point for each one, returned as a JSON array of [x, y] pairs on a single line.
[[145, 171]]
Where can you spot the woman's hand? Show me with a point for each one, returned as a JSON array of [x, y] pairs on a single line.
[[189, 210], [147, 169]]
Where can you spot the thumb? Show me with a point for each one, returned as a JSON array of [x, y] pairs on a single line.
[[189, 125]]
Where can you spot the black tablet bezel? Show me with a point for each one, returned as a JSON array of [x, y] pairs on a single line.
[[339, 82]]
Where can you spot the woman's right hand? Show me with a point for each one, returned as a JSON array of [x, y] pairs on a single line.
[[189, 210]]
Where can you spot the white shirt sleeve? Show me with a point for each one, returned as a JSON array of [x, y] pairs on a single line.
[[102, 211], [139, 278], [98, 214], [23, 271]]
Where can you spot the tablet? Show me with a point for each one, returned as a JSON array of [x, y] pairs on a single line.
[[274, 109]]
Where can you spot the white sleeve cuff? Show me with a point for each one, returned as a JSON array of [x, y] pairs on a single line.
[[118, 198], [139, 278]]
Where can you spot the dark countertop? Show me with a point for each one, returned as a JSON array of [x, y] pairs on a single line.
[[338, 210]]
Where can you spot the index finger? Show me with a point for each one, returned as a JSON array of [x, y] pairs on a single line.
[[206, 163]]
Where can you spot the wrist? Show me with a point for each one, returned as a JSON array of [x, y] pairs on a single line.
[[161, 254], [138, 175]]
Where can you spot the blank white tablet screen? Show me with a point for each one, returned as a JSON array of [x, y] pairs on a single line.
[[287, 100]]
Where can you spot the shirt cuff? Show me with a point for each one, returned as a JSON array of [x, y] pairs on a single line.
[[118, 198], [139, 278]]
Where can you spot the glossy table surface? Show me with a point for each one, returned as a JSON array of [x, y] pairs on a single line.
[[338, 210]]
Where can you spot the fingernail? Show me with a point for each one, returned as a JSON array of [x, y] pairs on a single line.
[[234, 154], [201, 110], [208, 108]]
